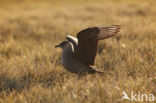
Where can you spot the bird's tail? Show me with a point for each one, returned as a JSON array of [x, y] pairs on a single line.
[[104, 73], [101, 72], [98, 71], [93, 70]]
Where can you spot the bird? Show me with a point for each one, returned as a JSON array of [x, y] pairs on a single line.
[[79, 53]]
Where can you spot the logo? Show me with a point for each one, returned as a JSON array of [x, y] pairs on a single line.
[[138, 97]]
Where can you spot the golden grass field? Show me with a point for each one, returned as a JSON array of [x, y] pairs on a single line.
[[30, 70]]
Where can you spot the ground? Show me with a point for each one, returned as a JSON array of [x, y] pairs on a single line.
[[30, 70]]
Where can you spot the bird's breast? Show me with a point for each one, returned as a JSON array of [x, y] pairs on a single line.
[[66, 59], [70, 63]]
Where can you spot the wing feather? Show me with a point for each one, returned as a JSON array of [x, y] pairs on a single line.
[[73, 40], [88, 42]]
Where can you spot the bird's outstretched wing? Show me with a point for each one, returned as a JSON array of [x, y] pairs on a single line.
[[88, 42]]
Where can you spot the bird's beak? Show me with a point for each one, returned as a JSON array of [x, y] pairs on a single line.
[[56, 46]]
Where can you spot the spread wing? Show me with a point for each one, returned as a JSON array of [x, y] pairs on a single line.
[[88, 42]]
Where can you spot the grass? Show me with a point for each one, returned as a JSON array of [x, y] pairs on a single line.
[[30, 70]]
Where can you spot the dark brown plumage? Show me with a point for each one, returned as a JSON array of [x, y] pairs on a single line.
[[79, 53], [88, 42]]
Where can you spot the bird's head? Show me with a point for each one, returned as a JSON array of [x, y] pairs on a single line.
[[63, 44]]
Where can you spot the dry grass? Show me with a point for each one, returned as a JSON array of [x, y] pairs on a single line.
[[30, 70]]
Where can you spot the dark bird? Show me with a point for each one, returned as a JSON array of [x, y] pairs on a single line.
[[79, 53]]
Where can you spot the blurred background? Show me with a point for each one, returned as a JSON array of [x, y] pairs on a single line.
[[30, 70]]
